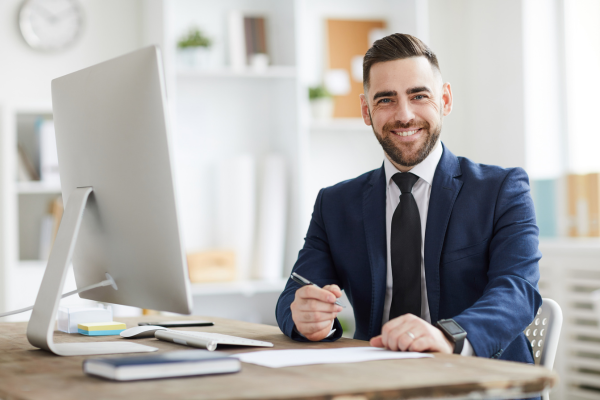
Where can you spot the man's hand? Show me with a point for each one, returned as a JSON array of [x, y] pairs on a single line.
[[314, 310], [411, 333]]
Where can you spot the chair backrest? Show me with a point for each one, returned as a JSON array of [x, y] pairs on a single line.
[[543, 333]]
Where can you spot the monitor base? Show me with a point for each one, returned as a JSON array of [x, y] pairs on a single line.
[[40, 330]]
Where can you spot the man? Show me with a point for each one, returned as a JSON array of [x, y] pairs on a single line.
[[428, 237]]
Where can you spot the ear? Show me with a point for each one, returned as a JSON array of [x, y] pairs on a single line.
[[446, 99], [364, 109]]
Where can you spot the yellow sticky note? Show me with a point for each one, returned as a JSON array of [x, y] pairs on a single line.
[[102, 326]]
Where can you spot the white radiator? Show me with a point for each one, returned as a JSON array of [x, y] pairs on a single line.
[[570, 272]]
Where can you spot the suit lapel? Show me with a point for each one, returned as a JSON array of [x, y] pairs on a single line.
[[444, 190], [374, 221]]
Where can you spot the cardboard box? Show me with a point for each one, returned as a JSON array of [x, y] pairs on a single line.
[[212, 266]]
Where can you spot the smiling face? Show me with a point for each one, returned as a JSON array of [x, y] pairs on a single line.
[[405, 103]]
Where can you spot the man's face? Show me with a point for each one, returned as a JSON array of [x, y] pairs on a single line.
[[405, 104]]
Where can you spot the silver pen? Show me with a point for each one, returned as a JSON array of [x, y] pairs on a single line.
[[305, 282]]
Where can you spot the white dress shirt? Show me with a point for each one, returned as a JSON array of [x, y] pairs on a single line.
[[421, 192]]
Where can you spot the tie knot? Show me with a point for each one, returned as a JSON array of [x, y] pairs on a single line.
[[405, 181]]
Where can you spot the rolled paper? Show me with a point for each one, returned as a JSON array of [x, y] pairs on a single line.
[[271, 219], [236, 211]]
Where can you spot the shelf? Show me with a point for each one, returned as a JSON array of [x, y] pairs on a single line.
[[36, 264], [340, 124], [37, 187], [270, 72], [247, 288]]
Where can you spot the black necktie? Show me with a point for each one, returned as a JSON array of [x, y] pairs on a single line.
[[405, 250]]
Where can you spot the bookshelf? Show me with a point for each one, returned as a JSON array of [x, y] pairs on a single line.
[[22, 206], [273, 72], [340, 125], [35, 187], [217, 112]]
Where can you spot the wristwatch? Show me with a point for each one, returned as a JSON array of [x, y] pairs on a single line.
[[454, 332]]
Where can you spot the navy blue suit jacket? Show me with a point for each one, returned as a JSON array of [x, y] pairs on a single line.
[[481, 254]]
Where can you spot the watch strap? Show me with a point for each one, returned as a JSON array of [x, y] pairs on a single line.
[[458, 346]]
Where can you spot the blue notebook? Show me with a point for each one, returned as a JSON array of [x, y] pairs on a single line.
[[165, 365]]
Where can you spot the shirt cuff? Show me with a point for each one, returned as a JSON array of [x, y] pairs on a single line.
[[467, 349], [331, 331]]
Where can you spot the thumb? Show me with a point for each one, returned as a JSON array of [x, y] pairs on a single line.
[[376, 341]]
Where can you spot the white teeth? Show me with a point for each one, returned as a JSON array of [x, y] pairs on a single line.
[[407, 133]]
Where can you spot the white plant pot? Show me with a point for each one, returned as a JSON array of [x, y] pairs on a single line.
[[194, 57], [321, 108]]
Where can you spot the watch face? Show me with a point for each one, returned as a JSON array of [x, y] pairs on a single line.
[[452, 327], [50, 25]]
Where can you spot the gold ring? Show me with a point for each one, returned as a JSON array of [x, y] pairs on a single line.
[[411, 335]]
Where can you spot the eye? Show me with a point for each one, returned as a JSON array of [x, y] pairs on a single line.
[[419, 97], [385, 101]]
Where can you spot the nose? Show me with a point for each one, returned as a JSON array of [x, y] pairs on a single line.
[[404, 112]]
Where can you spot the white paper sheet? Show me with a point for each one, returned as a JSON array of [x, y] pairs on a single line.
[[290, 358]]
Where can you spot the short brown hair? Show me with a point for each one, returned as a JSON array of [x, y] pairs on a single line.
[[396, 46]]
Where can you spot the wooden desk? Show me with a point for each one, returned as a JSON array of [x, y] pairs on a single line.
[[29, 373]]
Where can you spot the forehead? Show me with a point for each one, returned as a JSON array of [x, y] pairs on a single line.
[[402, 74]]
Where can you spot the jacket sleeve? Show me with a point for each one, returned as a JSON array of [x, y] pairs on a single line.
[[510, 299], [315, 263]]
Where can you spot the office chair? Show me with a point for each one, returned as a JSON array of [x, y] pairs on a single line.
[[543, 334]]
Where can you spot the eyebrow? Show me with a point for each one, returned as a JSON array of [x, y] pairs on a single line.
[[418, 89], [387, 93]]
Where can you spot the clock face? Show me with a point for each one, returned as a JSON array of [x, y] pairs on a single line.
[[50, 25]]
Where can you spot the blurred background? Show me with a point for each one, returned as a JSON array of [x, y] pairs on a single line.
[[263, 98]]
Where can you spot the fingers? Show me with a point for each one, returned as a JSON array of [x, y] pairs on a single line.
[[308, 329], [423, 343], [313, 292], [316, 316], [410, 333], [314, 310], [376, 341], [319, 334], [394, 333], [314, 299], [314, 330], [318, 306], [335, 289], [397, 340]]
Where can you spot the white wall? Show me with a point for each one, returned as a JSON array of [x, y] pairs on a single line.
[[545, 124], [582, 47], [112, 27], [479, 45]]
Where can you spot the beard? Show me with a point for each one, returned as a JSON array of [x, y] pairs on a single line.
[[410, 156]]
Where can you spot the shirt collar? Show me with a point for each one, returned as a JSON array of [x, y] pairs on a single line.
[[424, 170]]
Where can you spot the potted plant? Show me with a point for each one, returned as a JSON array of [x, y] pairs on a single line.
[[194, 48], [321, 102]]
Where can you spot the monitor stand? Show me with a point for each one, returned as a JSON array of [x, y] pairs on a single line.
[[40, 329]]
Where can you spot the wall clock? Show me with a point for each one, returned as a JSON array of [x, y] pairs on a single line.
[[50, 25]]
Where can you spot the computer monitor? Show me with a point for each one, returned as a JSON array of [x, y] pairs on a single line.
[[117, 185]]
